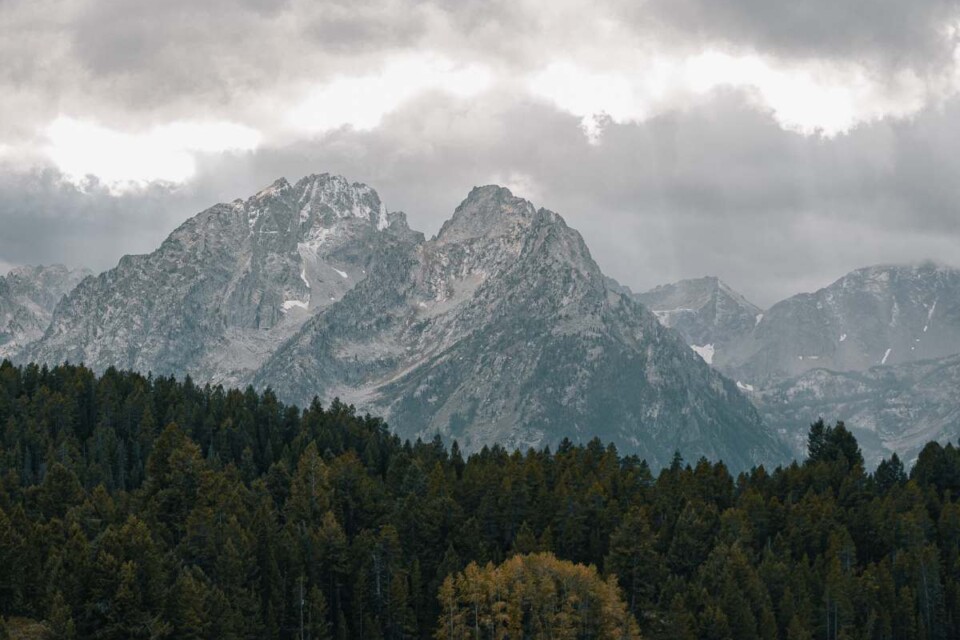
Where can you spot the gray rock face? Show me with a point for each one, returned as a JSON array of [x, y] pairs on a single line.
[[890, 408], [875, 349], [706, 312], [500, 329], [227, 287], [28, 296], [503, 329], [875, 316]]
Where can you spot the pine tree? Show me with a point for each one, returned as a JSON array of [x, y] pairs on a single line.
[[317, 623], [634, 560], [60, 622]]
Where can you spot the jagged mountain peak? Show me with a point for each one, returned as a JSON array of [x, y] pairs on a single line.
[[277, 187], [230, 283], [493, 232], [877, 278], [500, 329], [503, 329], [488, 211], [706, 311], [693, 293], [316, 200], [877, 315]]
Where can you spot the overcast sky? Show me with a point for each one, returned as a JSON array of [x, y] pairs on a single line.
[[774, 143]]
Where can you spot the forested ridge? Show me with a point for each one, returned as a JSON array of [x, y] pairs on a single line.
[[146, 507]]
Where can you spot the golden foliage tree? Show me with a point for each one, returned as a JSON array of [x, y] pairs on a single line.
[[535, 596]]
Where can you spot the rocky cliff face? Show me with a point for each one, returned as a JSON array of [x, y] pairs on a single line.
[[500, 329], [706, 312], [876, 316], [876, 348], [503, 329], [228, 286], [889, 408], [28, 296]]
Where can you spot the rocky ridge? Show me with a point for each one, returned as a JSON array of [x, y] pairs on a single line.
[[877, 349], [501, 329], [28, 296]]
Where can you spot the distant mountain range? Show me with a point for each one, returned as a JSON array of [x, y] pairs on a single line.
[[28, 296], [705, 311], [877, 348], [501, 329]]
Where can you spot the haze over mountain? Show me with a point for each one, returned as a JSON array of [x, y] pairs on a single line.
[[705, 311], [875, 348], [872, 316], [28, 296], [501, 329]]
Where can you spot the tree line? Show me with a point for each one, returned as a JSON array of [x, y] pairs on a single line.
[[134, 506]]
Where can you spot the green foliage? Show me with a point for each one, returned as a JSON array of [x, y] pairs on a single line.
[[832, 444], [144, 507]]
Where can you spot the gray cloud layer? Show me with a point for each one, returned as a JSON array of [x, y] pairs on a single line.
[[893, 33], [715, 189]]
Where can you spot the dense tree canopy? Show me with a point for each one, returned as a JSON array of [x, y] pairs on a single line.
[[139, 507]]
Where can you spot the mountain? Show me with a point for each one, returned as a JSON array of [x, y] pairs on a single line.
[[883, 315], [28, 296], [705, 311], [227, 287], [501, 329], [876, 349], [889, 408]]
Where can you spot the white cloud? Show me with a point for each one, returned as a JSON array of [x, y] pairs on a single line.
[[123, 160], [809, 98], [362, 101], [813, 97], [519, 183]]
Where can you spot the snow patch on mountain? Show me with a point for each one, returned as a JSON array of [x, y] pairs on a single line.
[[705, 351], [291, 304]]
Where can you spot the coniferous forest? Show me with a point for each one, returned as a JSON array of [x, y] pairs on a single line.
[[145, 507]]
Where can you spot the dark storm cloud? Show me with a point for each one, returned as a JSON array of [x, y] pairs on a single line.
[[47, 220], [161, 52], [891, 32]]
